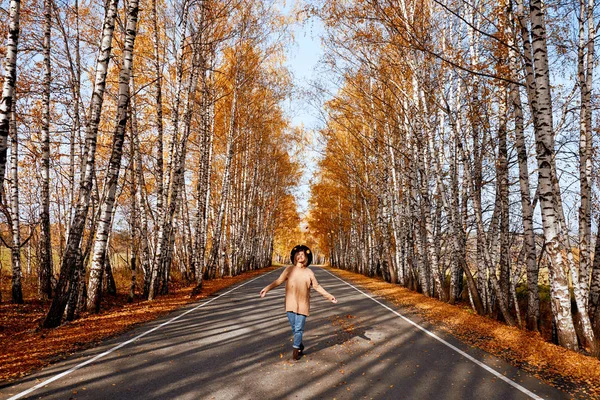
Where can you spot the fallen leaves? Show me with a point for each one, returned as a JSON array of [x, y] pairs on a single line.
[[24, 347], [570, 371]]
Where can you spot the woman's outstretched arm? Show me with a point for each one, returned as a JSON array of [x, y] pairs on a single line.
[[319, 288], [276, 282]]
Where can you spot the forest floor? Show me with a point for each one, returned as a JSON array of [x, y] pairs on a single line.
[[25, 347], [572, 372]]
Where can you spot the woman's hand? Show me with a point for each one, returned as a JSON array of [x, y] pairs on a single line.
[[333, 300], [263, 292]]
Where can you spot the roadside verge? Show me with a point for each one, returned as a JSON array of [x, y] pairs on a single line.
[[32, 348], [567, 370]]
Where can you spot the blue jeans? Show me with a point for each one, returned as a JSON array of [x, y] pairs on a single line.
[[297, 322]]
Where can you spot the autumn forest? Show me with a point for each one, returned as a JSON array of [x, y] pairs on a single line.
[[146, 141]]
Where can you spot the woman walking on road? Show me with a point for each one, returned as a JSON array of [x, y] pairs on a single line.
[[299, 280]]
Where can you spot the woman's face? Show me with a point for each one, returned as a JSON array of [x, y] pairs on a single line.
[[301, 257]]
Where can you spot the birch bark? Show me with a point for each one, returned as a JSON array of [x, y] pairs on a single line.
[[559, 288], [114, 167], [45, 268], [144, 248], [502, 300], [503, 189], [585, 75], [159, 110], [229, 151], [10, 81], [595, 289], [533, 298], [134, 224], [69, 262], [15, 250], [160, 269]]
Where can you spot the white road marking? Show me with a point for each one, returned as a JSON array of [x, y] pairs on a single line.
[[459, 351], [117, 347]]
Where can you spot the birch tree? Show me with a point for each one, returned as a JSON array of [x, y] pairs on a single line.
[[110, 184], [10, 81], [69, 261], [46, 264]]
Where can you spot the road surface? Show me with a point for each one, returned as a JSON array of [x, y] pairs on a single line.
[[236, 345]]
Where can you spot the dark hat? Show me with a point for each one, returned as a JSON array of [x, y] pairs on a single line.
[[306, 251]]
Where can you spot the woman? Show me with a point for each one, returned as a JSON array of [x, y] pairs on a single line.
[[299, 279]]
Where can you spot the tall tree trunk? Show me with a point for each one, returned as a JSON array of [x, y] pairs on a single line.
[[45, 268], [585, 75], [559, 287], [159, 110], [114, 166], [15, 250], [487, 259], [456, 230], [229, 151], [426, 210], [165, 219], [10, 81], [69, 262], [165, 240], [529, 248], [76, 132], [203, 184], [139, 181], [456, 272], [503, 191], [595, 289], [134, 218], [74, 68], [533, 297]]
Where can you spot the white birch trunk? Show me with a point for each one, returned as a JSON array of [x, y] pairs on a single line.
[[229, 151], [176, 181], [10, 81], [15, 250], [144, 248], [45, 268], [559, 288], [69, 261], [595, 290], [585, 76], [502, 300], [159, 110], [114, 167], [533, 298]]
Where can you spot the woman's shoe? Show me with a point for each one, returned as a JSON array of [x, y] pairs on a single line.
[[296, 354]]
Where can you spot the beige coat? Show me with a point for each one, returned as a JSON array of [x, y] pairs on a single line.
[[297, 288]]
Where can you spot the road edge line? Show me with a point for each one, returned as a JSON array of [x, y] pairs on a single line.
[[436, 337], [123, 344]]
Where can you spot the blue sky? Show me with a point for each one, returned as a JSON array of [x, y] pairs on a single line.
[[302, 59]]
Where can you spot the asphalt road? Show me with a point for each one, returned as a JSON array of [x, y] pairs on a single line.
[[236, 345]]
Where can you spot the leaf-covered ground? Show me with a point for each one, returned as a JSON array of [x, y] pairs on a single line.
[[572, 372], [25, 347]]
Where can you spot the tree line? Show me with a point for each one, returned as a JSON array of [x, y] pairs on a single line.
[[461, 154], [161, 122]]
